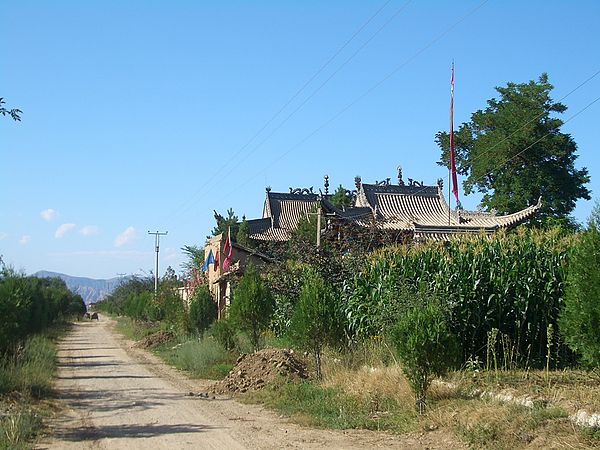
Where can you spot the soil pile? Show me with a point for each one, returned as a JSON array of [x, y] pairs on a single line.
[[255, 371], [155, 339]]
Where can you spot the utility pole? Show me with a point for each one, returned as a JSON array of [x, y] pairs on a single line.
[[319, 226], [157, 235]]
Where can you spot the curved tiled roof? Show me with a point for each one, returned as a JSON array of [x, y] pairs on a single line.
[[281, 214], [421, 209], [410, 207]]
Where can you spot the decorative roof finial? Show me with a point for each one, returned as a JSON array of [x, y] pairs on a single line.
[[440, 183], [357, 182], [326, 184], [400, 180], [268, 189]]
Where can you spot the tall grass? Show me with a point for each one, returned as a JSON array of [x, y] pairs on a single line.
[[30, 370], [202, 357], [512, 282], [25, 376]]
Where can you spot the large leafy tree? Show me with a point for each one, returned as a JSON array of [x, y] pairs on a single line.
[[514, 152]]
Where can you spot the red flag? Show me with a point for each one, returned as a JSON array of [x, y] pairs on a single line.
[[216, 266], [227, 251], [452, 162]]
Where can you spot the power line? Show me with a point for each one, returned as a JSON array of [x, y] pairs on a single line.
[[289, 101], [365, 94]]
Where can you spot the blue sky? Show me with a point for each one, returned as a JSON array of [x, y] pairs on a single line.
[[148, 115]]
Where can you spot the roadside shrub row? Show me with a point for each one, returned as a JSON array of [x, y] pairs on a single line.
[[29, 305]]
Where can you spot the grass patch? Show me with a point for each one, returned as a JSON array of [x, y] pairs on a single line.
[[18, 429], [26, 378], [202, 357], [316, 405], [30, 370], [135, 329]]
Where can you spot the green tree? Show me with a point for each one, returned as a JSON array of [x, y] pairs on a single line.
[[203, 309], [242, 236], [513, 152], [580, 319], [195, 259], [425, 347], [252, 305], [224, 224], [340, 198], [318, 319], [14, 113]]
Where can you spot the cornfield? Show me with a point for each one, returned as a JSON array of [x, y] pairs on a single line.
[[512, 282]]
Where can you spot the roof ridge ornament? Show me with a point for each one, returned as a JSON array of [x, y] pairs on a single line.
[[400, 180], [385, 182], [326, 184], [357, 182], [302, 191], [415, 183]]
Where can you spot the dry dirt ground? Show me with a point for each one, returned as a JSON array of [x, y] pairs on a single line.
[[116, 396]]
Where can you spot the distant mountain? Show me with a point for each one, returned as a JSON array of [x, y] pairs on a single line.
[[91, 290]]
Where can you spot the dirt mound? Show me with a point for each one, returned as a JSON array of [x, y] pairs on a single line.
[[155, 339], [255, 371]]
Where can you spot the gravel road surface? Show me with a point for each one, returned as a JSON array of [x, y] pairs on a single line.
[[115, 396]]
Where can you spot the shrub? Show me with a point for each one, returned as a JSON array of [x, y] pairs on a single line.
[[224, 333], [252, 305], [318, 318], [580, 319], [425, 347], [203, 309]]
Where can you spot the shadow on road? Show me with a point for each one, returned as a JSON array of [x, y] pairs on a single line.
[[127, 431]]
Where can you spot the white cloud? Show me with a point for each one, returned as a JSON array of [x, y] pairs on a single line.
[[63, 229], [25, 239], [3, 235], [126, 236], [49, 214], [90, 230]]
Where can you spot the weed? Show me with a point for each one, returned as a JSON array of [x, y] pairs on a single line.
[[18, 429], [203, 358]]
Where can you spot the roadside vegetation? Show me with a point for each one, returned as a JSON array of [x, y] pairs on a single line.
[[492, 340], [493, 359], [34, 312]]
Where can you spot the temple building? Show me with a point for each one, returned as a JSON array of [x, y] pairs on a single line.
[[377, 214], [405, 211]]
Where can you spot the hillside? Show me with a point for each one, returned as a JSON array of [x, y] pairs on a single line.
[[91, 290]]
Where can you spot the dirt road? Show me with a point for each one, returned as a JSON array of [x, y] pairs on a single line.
[[120, 397]]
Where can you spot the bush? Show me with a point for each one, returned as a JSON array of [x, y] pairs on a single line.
[[252, 306], [224, 333], [580, 319], [203, 309], [318, 318], [425, 347], [29, 305]]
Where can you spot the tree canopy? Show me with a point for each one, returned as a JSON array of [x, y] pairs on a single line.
[[341, 197], [226, 223], [513, 152]]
